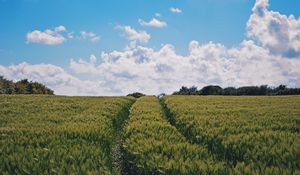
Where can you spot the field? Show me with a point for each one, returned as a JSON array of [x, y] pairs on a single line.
[[257, 134], [59, 135], [171, 135], [153, 145]]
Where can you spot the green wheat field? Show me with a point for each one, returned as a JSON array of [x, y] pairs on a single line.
[[169, 135]]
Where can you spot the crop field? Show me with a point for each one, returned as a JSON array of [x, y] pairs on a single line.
[[59, 135], [258, 135], [153, 145], [171, 135]]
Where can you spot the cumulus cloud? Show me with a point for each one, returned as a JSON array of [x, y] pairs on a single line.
[[48, 37], [134, 35], [89, 36], [175, 10], [82, 66], [58, 36], [278, 33], [60, 29], [144, 69], [153, 23], [259, 59], [56, 78]]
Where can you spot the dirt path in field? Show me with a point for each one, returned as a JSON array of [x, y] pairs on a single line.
[[118, 162]]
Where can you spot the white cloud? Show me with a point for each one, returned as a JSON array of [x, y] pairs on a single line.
[[278, 33], [153, 23], [157, 15], [255, 61], [60, 29], [175, 10], [144, 69], [56, 78], [89, 36], [133, 35], [48, 37], [82, 66], [58, 36]]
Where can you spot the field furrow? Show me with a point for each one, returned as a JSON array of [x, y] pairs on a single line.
[[153, 146], [59, 135], [260, 134], [176, 135]]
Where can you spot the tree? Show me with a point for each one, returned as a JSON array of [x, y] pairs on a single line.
[[245, 90], [6, 86], [23, 87], [229, 91], [211, 90], [136, 95], [187, 91], [281, 87]]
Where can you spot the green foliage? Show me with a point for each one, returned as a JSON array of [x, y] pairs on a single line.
[[289, 91], [23, 87], [59, 135], [245, 90], [136, 95], [255, 135], [187, 91], [6, 86], [153, 146], [211, 90]]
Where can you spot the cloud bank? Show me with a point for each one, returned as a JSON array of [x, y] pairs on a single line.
[[268, 55], [56, 78]]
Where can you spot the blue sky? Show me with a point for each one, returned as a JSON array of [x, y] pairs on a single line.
[[223, 22], [202, 20]]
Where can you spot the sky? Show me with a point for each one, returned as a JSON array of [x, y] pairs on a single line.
[[116, 47]]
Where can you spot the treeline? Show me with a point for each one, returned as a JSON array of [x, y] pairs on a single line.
[[23, 87], [246, 90]]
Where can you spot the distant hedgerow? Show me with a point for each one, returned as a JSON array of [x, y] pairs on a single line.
[[23, 87]]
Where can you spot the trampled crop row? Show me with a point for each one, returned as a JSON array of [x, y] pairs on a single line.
[[59, 135], [254, 134], [153, 146]]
